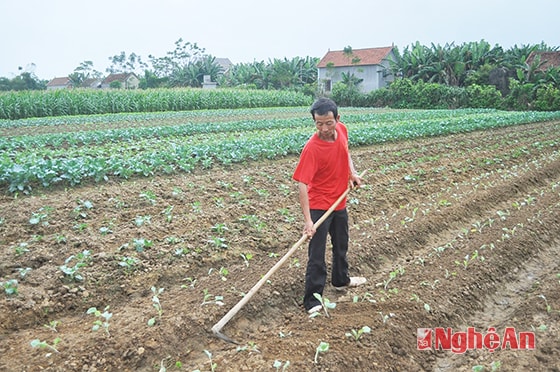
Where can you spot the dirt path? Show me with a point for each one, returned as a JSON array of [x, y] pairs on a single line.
[[453, 232]]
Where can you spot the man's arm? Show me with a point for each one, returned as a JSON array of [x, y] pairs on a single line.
[[304, 203], [355, 179]]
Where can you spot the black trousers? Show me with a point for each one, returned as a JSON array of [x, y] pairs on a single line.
[[335, 226]]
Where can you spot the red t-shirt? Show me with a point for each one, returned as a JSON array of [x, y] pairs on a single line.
[[324, 167]]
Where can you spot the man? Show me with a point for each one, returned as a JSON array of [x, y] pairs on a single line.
[[324, 172]]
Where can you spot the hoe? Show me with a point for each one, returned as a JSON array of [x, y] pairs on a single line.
[[217, 328]]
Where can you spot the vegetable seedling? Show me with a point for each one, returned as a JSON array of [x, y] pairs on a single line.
[[98, 323], [157, 304], [277, 364], [322, 348], [325, 303], [10, 286], [356, 334], [44, 344]]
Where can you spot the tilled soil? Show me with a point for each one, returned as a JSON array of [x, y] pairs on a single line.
[[451, 232]]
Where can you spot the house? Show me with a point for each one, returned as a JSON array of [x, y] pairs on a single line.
[[370, 64], [91, 83], [224, 63], [59, 83], [546, 61], [126, 80]]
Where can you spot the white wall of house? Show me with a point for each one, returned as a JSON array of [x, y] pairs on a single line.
[[374, 76]]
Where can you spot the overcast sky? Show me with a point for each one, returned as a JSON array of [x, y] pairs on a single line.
[[57, 35]]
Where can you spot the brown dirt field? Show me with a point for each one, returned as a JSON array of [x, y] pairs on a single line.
[[458, 231]]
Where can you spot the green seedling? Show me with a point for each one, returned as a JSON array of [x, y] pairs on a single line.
[[141, 244], [288, 217], [23, 272], [10, 286], [52, 325], [192, 282], [392, 275], [246, 258], [356, 334], [223, 273], [44, 344], [431, 285], [41, 216], [213, 365], [168, 213], [278, 364], [548, 307], [157, 304], [128, 263], [105, 230], [102, 319], [150, 196], [81, 210], [141, 220], [196, 208], [208, 298], [325, 302], [82, 259], [251, 346], [220, 228], [322, 348], [21, 248], [385, 317], [218, 242], [219, 202], [365, 297]]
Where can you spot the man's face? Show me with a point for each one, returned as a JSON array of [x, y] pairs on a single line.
[[326, 126]]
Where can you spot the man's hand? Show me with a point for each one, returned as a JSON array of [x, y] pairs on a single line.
[[356, 181], [308, 229]]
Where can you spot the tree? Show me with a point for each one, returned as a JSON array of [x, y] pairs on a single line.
[[83, 72], [120, 63]]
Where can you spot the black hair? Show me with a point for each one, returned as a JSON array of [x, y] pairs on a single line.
[[323, 106]]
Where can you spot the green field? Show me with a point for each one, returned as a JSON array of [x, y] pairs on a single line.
[[71, 150]]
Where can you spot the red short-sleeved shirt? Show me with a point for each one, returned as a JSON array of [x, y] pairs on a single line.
[[324, 167]]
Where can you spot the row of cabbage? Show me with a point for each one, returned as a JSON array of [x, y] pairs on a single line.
[[77, 157]]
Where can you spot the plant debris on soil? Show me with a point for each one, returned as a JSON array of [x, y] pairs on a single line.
[[451, 232]]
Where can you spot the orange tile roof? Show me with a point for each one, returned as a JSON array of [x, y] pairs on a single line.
[[59, 81], [548, 59], [369, 56]]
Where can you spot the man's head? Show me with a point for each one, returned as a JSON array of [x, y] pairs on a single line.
[[325, 115], [322, 106]]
